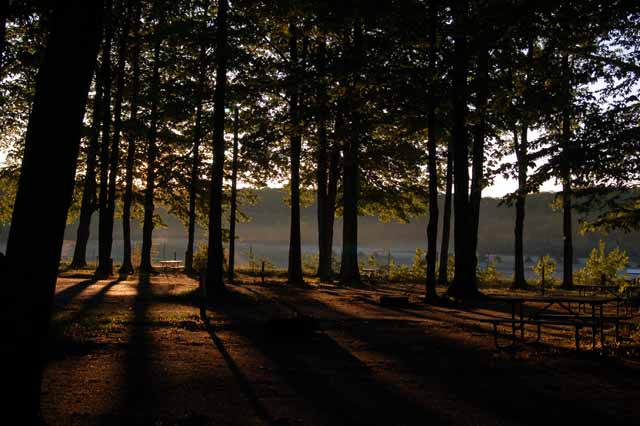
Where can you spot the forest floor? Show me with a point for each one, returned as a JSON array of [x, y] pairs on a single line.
[[135, 352]]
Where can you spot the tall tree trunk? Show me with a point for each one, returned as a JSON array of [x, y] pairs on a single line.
[[332, 193], [197, 139], [322, 170], [446, 218], [294, 271], [152, 149], [477, 180], [519, 281], [105, 266], [126, 13], [234, 198], [127, 265], [4, 11], [522, 161], [349, 268], [464, 283], [214, 284], [88, 203], [567, 232], [432, 226], [47, 179]]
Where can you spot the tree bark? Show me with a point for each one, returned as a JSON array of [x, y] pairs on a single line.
[[234, 197], [114, 158], [522, 161], [152, 149], [294, 271], [446, 218], [4, 11], [88, 203], [432, 226], [46, 181], [105, 266], [214, 284], [349, 267], [477, 180], [464, 283], [197, 139], [127, 265], [565, 170], [322, 166], [519, 281]]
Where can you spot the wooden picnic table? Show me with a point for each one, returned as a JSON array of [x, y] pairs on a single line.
[[542, 315], [171, 265], [590, 290]]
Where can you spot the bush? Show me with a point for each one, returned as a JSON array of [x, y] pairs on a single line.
[[547, 264], [601, 263], [490, 274]]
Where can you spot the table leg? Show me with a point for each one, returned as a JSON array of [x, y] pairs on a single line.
[[593, 325], [521, 322], [602, 325], [513, 322]]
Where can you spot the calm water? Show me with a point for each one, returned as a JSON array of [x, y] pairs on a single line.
[[277, 254]]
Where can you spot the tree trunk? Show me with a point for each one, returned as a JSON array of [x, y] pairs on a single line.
[[197, 139], [519, 281], [446, 218], [88, 204], [332, 193], [4, 6], [214, 284], [567, 232], [46, 181], [477, 180], [127, 266], [432, 226], [117, 126], [349, 268], [464, 284], [105, 266], [152, 149], [324, 257], [234, 197], [294, 272]]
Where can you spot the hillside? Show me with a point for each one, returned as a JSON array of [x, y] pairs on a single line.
[[270, 225]]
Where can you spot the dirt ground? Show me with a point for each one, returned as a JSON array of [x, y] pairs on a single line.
[[135, 352]]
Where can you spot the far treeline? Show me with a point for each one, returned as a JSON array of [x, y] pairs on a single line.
[[115, 106]]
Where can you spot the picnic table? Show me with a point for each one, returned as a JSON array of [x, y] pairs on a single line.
[[370, 273], [170, 265], [591, 290], [568, 315]]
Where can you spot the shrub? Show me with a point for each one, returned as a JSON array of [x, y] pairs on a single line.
[[547, 264], [601, 263]]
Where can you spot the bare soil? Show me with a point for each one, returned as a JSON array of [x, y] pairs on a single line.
[[136, 352]]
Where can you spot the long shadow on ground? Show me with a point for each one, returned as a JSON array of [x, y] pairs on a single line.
[[323, 373], [472, 379], [521, 393]]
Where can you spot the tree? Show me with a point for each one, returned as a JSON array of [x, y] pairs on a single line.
[[464, 285], [132, 133], [152, 148], [432, 227], [197, 139], [234, 198], [105, 263], [294, 271], [47, 179], [214, 284]]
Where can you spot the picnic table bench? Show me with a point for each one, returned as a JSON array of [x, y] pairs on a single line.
[[542, 316], [171, 266]]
